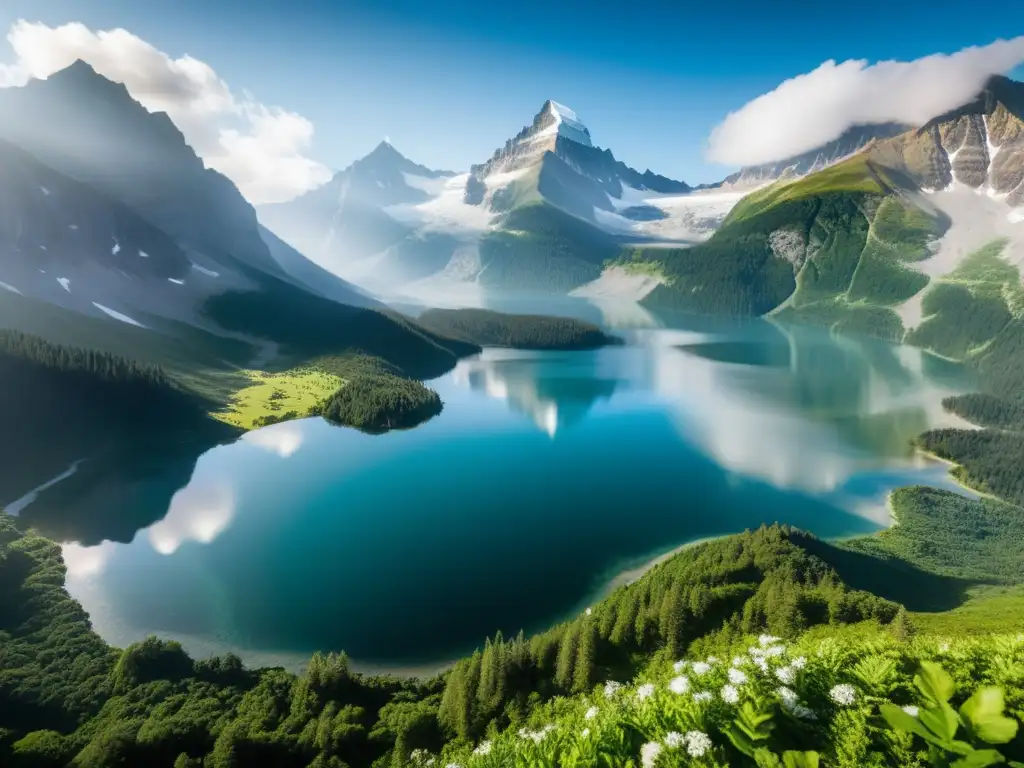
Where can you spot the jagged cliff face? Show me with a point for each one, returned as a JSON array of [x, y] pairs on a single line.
[[980, 145], [554, 159], [90, 129]]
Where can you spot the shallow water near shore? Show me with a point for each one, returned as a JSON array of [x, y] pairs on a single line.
[[548, 479]]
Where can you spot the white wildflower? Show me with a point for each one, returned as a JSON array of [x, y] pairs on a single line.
[[730, 694], [761, 663], [799, 662], [788, 696], [645, 691], [484, 748], [430, 761], [649, 754], [588, 611], [775, 650], [611, 688], [944, 648], [697, 743], [737, 676], [912, 710], [701, 667], [755, 651], [766, 640], [590, 714], [585, 732], [679, 666], [739, 661], [702, 696], [679, 685], [786, 675], [712, 659], [453, 765], [844, 695], [673, 740]]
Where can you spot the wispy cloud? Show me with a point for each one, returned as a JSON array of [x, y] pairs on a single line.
[[814, 108], [263, 149]]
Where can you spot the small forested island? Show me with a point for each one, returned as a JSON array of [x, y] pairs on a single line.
[[497, 329], [380, 401]]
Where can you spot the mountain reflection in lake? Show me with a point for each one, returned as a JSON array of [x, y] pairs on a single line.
[[545, 476]]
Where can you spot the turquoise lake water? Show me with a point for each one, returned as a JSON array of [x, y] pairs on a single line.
[[546, 476]]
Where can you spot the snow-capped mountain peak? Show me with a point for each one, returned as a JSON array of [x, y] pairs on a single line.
[[565, 123]]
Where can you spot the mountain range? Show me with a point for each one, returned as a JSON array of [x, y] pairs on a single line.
[[120, 220]]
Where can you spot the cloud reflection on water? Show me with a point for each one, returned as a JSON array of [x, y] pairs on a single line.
[[282, 439], [199, 512]]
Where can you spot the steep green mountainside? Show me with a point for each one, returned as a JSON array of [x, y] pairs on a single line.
[[541, 248], [830, 248]]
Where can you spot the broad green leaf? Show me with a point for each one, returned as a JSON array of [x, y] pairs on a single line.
[[766, 759], [933, 681], [984, 714], [740, 740], [901, 721], [800, 759], [941, 720], [980, 759]]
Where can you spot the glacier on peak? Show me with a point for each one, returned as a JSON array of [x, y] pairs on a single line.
[[568, 125]]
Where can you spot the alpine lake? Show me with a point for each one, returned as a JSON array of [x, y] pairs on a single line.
[[548, 479]]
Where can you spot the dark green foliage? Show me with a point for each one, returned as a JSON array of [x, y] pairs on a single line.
[[945, 533], [540, 248], [379, 402], [309, 326], [959, 319], [59, 404], [1001, 363], [987, 410], [65, 384], [842, 317], [899, 235], [66, 698], [989, 460], [54, 671], [497, 329], [737, 272], [763, 580]]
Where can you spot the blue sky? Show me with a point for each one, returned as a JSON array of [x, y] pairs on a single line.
[[448, 82]]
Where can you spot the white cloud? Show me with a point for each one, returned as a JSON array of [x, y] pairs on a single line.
[[262, 149], [812, 109]]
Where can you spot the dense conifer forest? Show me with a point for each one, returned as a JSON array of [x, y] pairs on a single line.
[[497, 329]]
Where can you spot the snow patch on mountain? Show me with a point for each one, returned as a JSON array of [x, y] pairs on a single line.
[[431, 186], [116, 249], [618, 283], [567, 124], [118, 315], [11, 288], [688, 218], [447, 212], [205, 271], [176, 282], [65, 283], [143, 254], [976, 220]]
